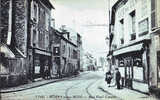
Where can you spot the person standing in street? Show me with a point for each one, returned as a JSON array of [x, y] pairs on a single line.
[[108, 78], [118, 78]]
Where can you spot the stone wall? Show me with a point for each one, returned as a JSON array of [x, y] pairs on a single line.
[[4, 16], [20, 19]]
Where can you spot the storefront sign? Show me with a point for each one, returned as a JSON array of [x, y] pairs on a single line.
[[37, 69]]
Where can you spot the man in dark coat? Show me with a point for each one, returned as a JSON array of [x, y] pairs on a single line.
[[118, 78], [108, 77]]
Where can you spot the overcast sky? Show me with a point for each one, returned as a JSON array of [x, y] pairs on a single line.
[[83, 16]]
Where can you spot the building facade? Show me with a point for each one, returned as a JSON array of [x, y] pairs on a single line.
[[130, 42], [39, 53], [13, 42], [24, 36], [155, 47], [64, 54], [80, 52]]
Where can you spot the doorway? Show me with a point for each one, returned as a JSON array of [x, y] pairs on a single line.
[[158, 68]]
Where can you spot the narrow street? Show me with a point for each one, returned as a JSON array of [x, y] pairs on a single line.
[[84, 87]]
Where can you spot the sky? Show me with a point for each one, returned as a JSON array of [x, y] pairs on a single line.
[[87, 17]]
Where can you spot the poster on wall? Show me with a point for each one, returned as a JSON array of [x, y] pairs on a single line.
[[66, 49]]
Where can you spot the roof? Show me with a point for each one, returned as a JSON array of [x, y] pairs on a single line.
[[60, 34], [6, 51], [48, 3], [114, 8]]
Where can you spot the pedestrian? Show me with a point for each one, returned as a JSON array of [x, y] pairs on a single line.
[[108, 78], [118, 78], [46, 71]]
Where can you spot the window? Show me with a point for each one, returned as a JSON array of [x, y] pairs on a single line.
[[121, 62], [153, 14], [122, 41], [143, 27], [133, 19], [69, 51], [35, 12], [47, 21], [34, 37], [63, 50], [122, 31], [56, 51], [74, 54]]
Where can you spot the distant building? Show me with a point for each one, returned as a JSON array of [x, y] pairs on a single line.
[[80, 52], [89, 62], [64, 54]]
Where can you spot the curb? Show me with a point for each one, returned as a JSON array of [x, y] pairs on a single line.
[[146, 93], [16, 90]]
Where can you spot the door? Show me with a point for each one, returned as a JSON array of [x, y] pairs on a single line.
[[158, 68]]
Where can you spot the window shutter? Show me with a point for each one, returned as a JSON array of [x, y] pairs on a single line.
[[153, 14]]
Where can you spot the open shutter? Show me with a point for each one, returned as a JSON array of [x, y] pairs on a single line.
[[153, 14]]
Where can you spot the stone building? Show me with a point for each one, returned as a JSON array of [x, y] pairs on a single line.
[[24, 36], [64, 54], [13, 42], [80, 52], [39, 53], [130, 42], [155, 47]]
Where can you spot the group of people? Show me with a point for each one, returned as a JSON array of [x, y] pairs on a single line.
[[109, 77]]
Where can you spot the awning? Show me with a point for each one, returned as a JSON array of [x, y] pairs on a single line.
[[5, 49], [42, 52], [128, 49]]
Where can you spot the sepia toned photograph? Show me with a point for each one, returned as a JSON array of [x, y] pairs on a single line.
[[79, 49]]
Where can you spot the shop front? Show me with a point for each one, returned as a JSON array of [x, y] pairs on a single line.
[[42, 59], [132, 63]]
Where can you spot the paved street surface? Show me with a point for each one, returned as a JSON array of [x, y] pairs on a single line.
[[88, 86]]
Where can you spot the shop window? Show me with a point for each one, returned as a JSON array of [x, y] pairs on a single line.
[[137, 62], [56, 51], [121, 63]]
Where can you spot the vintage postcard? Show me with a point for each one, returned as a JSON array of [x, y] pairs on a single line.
[[79, 49]]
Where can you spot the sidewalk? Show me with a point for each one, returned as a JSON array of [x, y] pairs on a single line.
[[39, 82], [125, 94]]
